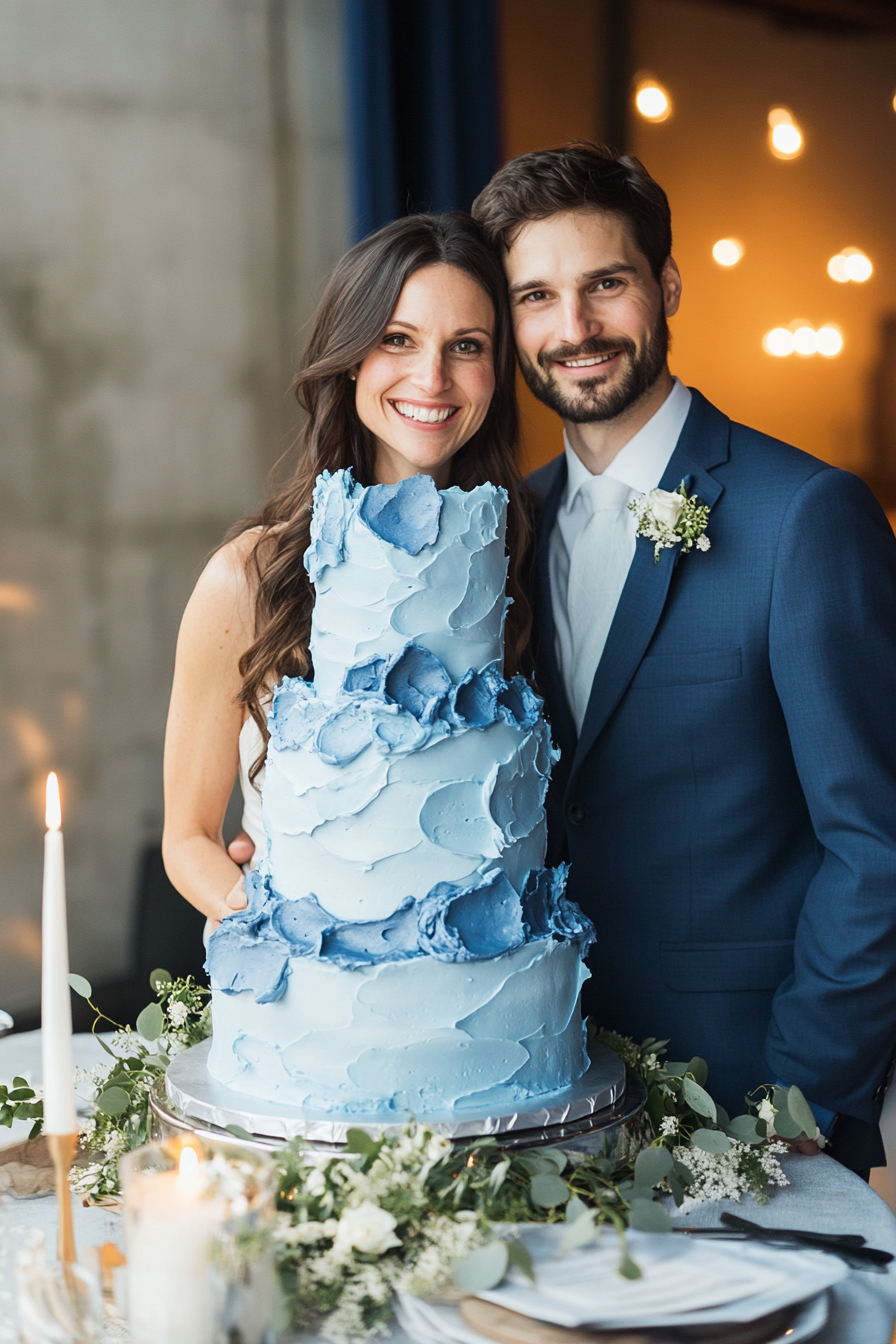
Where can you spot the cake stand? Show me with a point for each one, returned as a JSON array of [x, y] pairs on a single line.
[[604, 1107]]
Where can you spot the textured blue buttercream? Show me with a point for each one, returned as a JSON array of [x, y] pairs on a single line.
[[406, 514]]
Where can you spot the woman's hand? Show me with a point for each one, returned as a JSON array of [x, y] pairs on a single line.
[[236, 897]]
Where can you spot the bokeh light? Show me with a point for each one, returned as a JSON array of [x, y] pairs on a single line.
[[830, 341], [727, 251], [805, 340], [652, 100], [801, 338], [778, 342], [785, 137], [850, 264]]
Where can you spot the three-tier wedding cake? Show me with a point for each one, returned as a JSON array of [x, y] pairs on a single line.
[[403, 947]]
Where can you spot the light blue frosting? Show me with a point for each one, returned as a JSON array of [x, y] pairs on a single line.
[[403, 806]]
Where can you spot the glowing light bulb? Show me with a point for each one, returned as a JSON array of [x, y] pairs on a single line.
[[778, 342], [829, 341], [785, 137], [894, 102], [727, 251], [837, 269], [805, 340], [188, 1169], [652, 100]]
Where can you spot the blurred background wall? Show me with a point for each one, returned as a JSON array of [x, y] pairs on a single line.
[[176, 179], [172, 191]]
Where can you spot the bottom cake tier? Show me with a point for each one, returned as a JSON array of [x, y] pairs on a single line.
[[423, 1035]]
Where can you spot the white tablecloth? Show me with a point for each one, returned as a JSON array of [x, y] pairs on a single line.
[[822, 1195]]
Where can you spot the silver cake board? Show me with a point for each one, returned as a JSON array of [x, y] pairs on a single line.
[[192, 1100]]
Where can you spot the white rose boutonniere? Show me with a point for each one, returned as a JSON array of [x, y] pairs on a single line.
[[671, 518], [367, 1228]]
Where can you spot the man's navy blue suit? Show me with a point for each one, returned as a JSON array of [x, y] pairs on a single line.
[[729, 810]]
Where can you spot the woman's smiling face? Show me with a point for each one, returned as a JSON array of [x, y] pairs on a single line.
[[426, 387]]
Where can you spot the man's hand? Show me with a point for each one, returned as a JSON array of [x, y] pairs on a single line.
[[241, 849]]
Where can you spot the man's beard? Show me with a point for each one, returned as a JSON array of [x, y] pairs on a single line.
[[590, 402]]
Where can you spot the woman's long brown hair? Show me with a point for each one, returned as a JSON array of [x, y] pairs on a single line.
[[350, 320]]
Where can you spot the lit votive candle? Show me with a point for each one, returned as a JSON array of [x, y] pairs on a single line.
[[171, 1220]]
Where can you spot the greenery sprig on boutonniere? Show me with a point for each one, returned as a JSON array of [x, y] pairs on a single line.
[[671, 518]]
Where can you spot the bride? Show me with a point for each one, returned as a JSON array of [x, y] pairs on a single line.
[[409, 368]]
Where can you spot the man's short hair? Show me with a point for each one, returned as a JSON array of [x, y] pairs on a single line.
[[577, 176]]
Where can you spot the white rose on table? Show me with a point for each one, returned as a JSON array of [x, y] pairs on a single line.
[[666, 507], [767, 1113], [367, 1228]]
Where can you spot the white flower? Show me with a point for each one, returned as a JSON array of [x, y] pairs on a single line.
[[367, 1228], [177, 1013], [669, 1125], [665, 506], [703, 543], [437, 1147], [767, 1113], [315, 1183]]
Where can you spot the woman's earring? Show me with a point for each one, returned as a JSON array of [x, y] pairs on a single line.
[[352, 377]]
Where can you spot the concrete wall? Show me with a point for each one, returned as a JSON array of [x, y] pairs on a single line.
[[171, 196]]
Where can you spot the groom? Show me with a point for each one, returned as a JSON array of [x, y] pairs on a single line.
[[726, 793]]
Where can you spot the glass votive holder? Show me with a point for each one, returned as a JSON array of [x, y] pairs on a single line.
[[198, 1224], [56, 1303]]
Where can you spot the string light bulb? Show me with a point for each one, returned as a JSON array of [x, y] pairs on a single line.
[[801, 338], [651, 99], [727, 251], [784, 136]]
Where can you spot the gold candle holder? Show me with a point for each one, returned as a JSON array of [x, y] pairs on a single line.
[[62, 1150]]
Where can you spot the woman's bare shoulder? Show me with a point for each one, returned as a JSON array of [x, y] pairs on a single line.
[[225, 592]]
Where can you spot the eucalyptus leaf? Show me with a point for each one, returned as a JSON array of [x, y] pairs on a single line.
[[722, 1117], [580, 1233], [678, 1188], [109, 1051], [36, 1128], [676, 1070], [745, 1128], [359, 1141], [710, 1141], [645, 1215], [481, 1269], [19, 1082], [113, 1101], [700, 1070], [683, 1172], [548, 1191], [627, 1267], [786, 1126], [575, 1208], [519, 1257], [158, 978], [697, 1099], [557, 1158], [238, 1132], [80, 985], [151, 1022], [801, 1112], [21, 1093], [652, 1166]]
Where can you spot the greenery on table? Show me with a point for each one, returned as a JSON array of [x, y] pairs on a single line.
[[414, 1213]]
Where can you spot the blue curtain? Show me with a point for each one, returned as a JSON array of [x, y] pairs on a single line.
[[423, 116]]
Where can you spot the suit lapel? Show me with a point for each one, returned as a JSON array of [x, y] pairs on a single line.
[[703, 444], [562, 722]]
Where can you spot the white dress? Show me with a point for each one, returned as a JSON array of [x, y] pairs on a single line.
[[250, 746]]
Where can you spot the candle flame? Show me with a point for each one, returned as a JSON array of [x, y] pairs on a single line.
[[54, 805], [188, 1169]]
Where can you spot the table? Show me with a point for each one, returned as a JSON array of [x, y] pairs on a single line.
[[822, 1195]]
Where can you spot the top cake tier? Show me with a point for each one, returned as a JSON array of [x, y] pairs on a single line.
[[393, 564]]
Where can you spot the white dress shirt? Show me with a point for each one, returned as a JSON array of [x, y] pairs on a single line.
[[640, 466]]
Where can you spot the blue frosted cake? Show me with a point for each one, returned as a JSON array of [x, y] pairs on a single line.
[[403, 947]]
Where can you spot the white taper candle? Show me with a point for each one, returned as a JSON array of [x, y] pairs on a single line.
[[56, 1008]]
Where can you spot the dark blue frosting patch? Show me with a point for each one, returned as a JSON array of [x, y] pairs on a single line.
[[365, 943], [547, 911], [519, 704], [475, 700], [344, 735], [405, 514], [418, 682], [238, 959], [471, 923], [367, 676], [301, 924]]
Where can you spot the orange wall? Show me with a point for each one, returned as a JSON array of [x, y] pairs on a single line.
[[724, 69]]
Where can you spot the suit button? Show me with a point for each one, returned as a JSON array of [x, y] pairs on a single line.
[[575, 813]]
